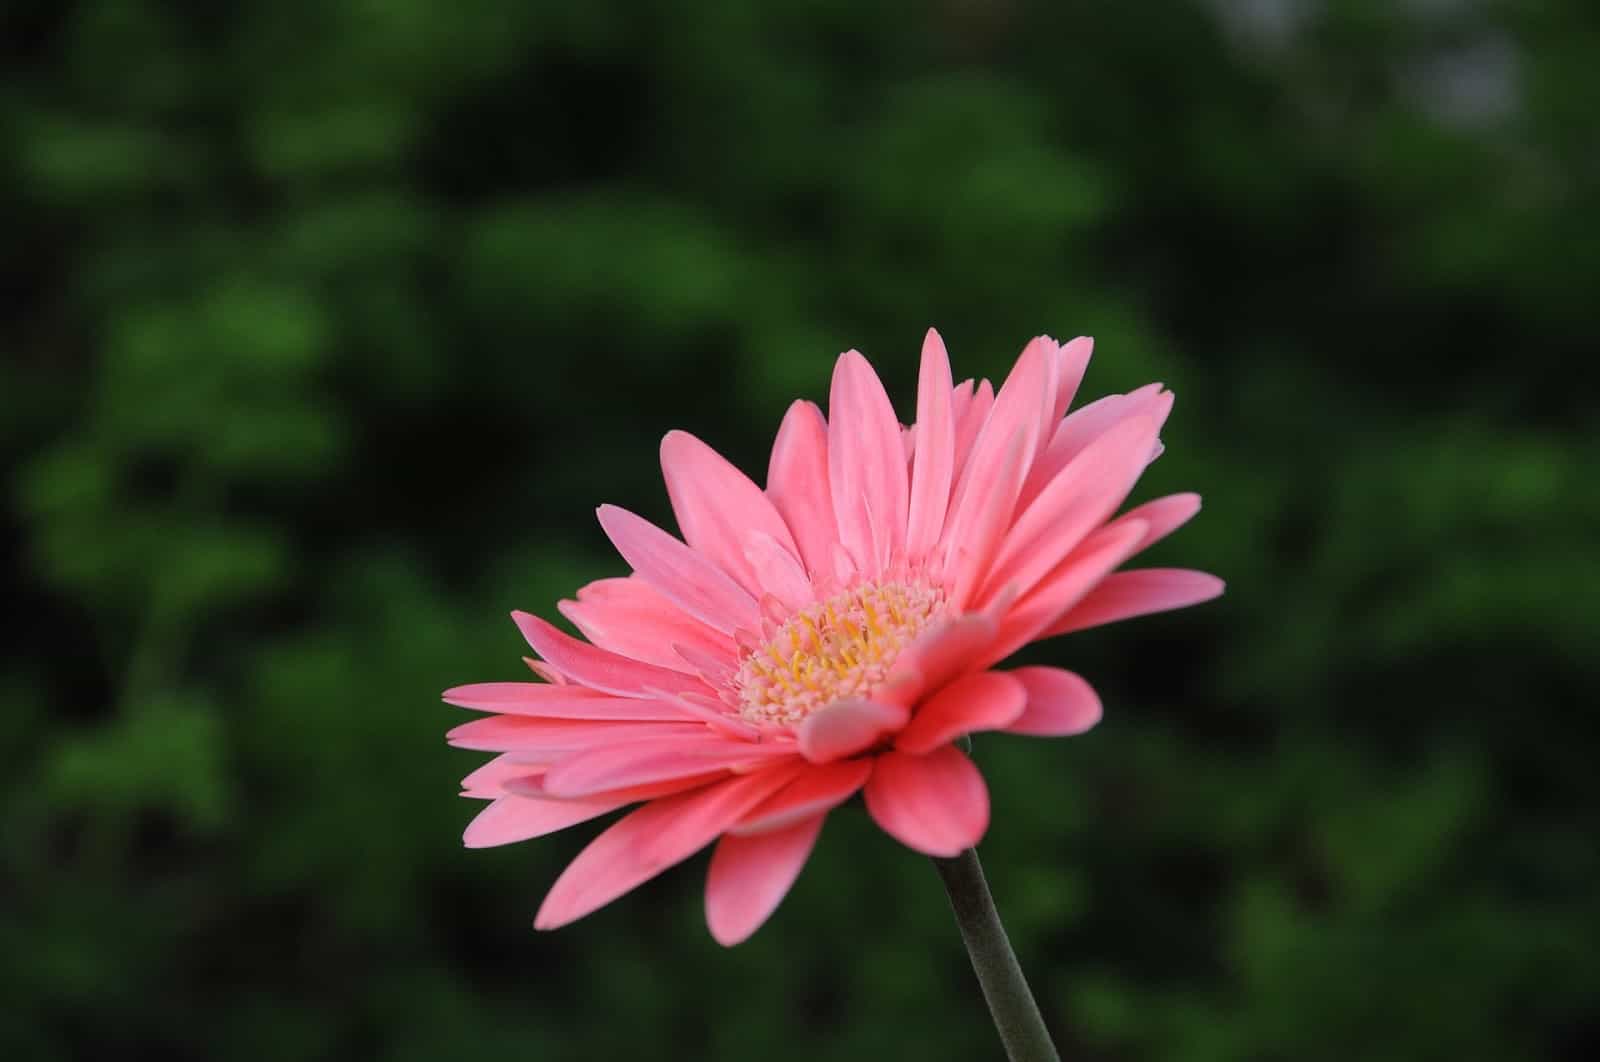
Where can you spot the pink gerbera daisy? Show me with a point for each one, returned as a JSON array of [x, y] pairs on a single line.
[[834, 633]]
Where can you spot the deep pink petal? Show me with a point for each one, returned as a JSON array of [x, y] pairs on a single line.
[[844, 728], [650, 760], [717, 506], [1079, 499], [630, 617], [984, 700], [552, 701], [1060, 703], [514, 818], [866, 467], [933, 461], [1063, 588], [797, 483], [936, 804], [822, 788], [592, 666], [1140, 592], [685, 577], [750, 876], [651, 839]]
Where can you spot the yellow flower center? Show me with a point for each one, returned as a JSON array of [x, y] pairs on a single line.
[[831, 650]]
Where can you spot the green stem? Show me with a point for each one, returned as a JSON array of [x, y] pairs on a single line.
[[1016, 1015]]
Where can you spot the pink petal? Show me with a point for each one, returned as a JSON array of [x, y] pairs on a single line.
[[591, 666], [750, 876], [1071, 362], [557, 702], [934, 459], [686, 578], [1065, 587], [797, 483], [1060, 703], [1089, 423], [984, 700], [1162, 516], [533, 786], [981, 521], [630, 617], [866, 466], [778, 571], [1019, 409], [846, 727], [534, 737], [822, 788], [936, 804], [658, 759], [1077, 501], [968, 425], [493, 778], [1123, 595], [518, 818], [717, 506], [937, 656], [649, 840]]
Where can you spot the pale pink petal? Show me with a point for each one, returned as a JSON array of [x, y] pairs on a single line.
[[648, 841], [938, 655], [984, 700], [797, 483], [749, 877], [1060, 703], [1123, 595], [934, 459], [630, 617], [594, 667], [844, 728], [865, 464], [1077, 501], [642, 762], [534, 737], [557, 702], [518, 818], [778, 572], [684, 577], [1071, 362], [1089, 423], [717, 506], [1017, 420], [936, 804], [494, 778], [1063, 588], [819, 789]]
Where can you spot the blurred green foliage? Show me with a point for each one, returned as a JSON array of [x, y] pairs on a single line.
[[330, 322]]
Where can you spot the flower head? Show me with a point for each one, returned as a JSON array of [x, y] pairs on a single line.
[[833, 633]]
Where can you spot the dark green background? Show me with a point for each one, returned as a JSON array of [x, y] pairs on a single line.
[[329, 324]]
